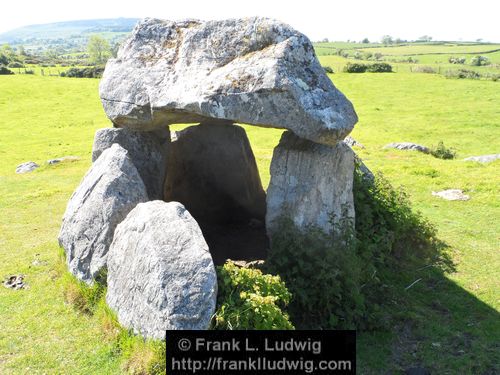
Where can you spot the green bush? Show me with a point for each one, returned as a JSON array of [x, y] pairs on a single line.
[[328, 69], [355, 68], [322, 274], [456, 60], [479, 61], [379, 68], [94, 72], [16, 64], [5, 71], [372, 68], [340, 280], [249, 299], [443, 152], [462, 74]]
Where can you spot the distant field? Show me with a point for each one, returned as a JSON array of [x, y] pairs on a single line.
[[450, 323], [436, 56], [409, 49], [420, 49]]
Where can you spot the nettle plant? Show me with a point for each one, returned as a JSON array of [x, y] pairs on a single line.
[[249, 299]]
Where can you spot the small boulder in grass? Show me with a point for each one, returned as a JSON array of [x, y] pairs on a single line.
[[452, 195], [63, 159], [483, 158], [29, 166], [408, 146], [15, 282]]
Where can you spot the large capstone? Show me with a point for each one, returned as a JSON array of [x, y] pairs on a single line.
[[147, 150], [212, 171], [110, 189], [255, 71], [160, 272], [310, 184]]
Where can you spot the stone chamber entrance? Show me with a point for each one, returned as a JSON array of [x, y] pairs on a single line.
[[212, 171]]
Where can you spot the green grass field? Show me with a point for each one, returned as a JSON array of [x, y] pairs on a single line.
[[431, 55], [449, 322]]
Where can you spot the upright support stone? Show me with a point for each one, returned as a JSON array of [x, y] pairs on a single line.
[[160, 273], [110, 189], [147, 150], [310, 183]]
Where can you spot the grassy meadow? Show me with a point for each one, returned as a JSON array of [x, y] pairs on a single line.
[[449, 322], [433, 55]]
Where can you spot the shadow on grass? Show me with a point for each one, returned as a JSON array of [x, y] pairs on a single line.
[[388, 279], [436, 325]]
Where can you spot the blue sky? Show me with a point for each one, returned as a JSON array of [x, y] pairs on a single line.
[[336, 20]]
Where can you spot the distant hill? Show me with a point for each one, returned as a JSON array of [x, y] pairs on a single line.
[[69, 34]]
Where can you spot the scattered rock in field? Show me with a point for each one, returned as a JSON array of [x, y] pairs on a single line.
[[63, 159], [256, 71], [452, 195], [29, 166], [310, 183], [15, 282], [110, 189], [38, 262], [408, 146], [351, 142], [147, 150], [484, 158], [160, 271]]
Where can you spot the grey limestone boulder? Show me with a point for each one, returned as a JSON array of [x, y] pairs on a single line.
[[255, 70], [212, 171], [408, 146], [29, 166], [351, 142], [63, 159], [147, 150], [310, 183], [110, 189], [451, 195], [484, 158], [160, 272]]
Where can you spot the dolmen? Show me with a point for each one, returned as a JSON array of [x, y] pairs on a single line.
[[137, 219]]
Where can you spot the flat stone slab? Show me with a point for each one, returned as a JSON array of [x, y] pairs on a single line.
[[484, 158], [160, 273], [29, 166], [452, 195], [408, 146], [255, 71]]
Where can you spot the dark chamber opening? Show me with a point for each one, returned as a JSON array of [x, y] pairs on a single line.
[[212, 171]]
